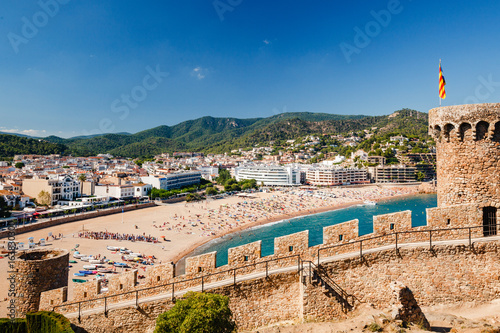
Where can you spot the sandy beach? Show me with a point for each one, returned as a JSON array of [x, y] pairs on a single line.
[[181, 227]]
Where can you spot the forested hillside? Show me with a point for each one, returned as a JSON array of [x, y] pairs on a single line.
[[218, 135]]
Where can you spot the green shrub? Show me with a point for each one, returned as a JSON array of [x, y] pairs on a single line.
[[47, 322], [197, 313], [16, 326], [374, 327]]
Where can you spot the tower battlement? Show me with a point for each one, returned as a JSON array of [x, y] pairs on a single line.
[[468, 153]]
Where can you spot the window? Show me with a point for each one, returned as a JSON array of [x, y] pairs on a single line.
[[84, 294], [448, 221], [392, 226], [121, 286], [341, 237], [158, 278], [290, 248], [245, 258], [200, 269]]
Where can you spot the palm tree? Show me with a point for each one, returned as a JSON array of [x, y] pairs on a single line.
[[82, 177]]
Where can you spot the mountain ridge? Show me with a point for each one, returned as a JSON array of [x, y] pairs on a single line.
[[222, 134]]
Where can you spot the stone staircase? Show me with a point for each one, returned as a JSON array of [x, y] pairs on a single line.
[[317, 284], [332, 289]]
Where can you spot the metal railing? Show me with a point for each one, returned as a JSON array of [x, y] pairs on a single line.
[[489, 230], [300, 267], [341, 295], [202, 279]]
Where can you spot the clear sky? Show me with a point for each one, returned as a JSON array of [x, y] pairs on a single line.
[[75, 67]]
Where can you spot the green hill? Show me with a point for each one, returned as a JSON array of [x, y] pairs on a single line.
[[209, 134], [11, 145]]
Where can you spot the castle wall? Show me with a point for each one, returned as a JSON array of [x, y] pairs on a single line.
[[51, 298], [159, 274], [201, 264], [447, 274], [291, 244], [465, 215], [244, 254], [122, 283], [87, 290], [468, 154], [341, 233], [389, 223]]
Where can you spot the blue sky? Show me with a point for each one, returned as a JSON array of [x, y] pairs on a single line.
[[74, 67]]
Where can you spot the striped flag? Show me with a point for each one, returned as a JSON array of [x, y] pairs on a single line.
[[442, 83]]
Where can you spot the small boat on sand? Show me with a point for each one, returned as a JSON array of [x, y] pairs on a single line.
[[79, 280], [87, 272], [78, 255], [89, 267]]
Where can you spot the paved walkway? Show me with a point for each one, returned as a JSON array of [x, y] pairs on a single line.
[[257, 275]]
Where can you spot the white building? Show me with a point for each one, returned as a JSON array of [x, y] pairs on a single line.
[[14, 199], [59, 187], [209, 172], [173, 180], [269, 175], [322, 176], [115, 191], [141, 190]]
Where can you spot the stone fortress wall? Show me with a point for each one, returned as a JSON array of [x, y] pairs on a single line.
[[444, 274], [247, 258]]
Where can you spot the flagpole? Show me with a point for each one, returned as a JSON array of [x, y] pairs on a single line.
[[438, 87]]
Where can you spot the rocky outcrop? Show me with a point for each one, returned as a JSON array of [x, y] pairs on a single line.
[[405, 307]]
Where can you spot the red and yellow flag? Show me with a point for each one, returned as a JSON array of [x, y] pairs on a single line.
[[442, 83]]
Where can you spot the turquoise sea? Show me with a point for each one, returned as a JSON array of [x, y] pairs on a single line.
[[315, 223]]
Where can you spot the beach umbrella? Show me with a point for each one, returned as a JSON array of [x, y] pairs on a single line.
[[31, 238]]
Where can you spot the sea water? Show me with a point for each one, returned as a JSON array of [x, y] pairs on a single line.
[[315, 223]]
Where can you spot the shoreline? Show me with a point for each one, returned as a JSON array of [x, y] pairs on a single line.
[[185, 253]]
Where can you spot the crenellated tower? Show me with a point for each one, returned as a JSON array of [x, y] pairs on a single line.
[[468, 154]]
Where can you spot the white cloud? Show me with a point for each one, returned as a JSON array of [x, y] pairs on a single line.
[[267, 42], [199, 72], [31, 132]]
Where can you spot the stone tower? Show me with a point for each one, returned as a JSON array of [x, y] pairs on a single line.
[[468, 154], [37, 271]]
